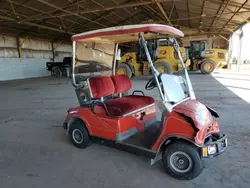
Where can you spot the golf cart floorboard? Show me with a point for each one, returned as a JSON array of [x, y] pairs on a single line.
[[146, 138]]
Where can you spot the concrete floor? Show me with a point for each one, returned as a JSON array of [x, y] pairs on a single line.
[[35, 152]]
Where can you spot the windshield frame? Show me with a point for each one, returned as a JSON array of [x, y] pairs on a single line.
[[156, 74]]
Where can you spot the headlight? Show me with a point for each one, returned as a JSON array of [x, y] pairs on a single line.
[[211, 149]]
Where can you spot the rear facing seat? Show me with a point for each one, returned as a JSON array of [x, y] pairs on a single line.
[[104, 86]]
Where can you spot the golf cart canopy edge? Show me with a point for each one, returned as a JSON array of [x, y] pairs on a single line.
[[126, 33]]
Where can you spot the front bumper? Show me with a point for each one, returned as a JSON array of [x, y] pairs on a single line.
[[214, 145]]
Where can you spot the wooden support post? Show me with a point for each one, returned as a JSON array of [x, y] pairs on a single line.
[[53, 51], [19, 50], [239, 50], [20, 44], [230, 52], [54, 46]]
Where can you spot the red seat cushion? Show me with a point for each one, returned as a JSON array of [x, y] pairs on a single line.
[[122, 83], [101, 86], [124, 105]]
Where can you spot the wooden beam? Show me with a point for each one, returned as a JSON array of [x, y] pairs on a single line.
[[27, 18], [176, 12], [217, 18], [157, 14], [38, 16], [233, 15], [124, 9], [204, 16], [126, 5], [12, 7], [102, 16], [172, 9], [202, 9], [14, 32], [221, 36], [36, 25], [69, 12], [188, 14], [237, 14], [233, 4], [163, 11]]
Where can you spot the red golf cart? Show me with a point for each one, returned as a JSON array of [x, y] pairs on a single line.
[[187, 132]]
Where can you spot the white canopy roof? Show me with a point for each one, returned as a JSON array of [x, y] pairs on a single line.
[[128, 33]]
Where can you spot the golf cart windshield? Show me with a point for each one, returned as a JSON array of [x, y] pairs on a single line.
[[174, 87], [92, 56]]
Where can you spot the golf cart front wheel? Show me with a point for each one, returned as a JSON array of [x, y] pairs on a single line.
[[182, 161]]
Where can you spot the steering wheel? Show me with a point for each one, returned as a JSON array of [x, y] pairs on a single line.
[[150, 84]]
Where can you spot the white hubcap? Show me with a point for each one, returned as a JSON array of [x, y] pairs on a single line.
[[181, 162], [77, 136]]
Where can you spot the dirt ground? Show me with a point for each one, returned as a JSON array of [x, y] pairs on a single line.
[[35, 151]]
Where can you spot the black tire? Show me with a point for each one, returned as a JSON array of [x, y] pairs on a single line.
[[126, 69], [79, 135], [167, 67], [189, 161], [56, 71], [209, 63]]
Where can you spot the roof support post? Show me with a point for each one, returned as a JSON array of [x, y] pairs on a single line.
[[18, 47], [239, 51], [53, 51]]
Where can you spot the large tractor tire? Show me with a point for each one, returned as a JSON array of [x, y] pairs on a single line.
[[207, 67], [163, 67], [123, 68]]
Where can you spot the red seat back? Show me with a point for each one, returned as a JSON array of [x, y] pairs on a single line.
[[122, 83], [101, 86]]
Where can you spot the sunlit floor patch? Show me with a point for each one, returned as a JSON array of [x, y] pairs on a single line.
[[236, 82]]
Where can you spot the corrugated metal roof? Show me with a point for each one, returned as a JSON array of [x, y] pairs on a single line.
[[60, 19]]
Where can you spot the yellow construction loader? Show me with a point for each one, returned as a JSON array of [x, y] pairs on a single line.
[[165, 59], [205, 60], [134, 62]]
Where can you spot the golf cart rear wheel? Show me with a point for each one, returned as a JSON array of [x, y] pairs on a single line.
[[123, 68], [182, 161], [207, 67], [79, 135], [163, 67]]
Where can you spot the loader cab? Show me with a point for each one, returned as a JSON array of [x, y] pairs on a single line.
[[152, 48], [197, 50]]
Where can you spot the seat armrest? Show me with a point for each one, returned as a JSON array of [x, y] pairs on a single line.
[[138, 91], [99, 102], [105, 108]]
